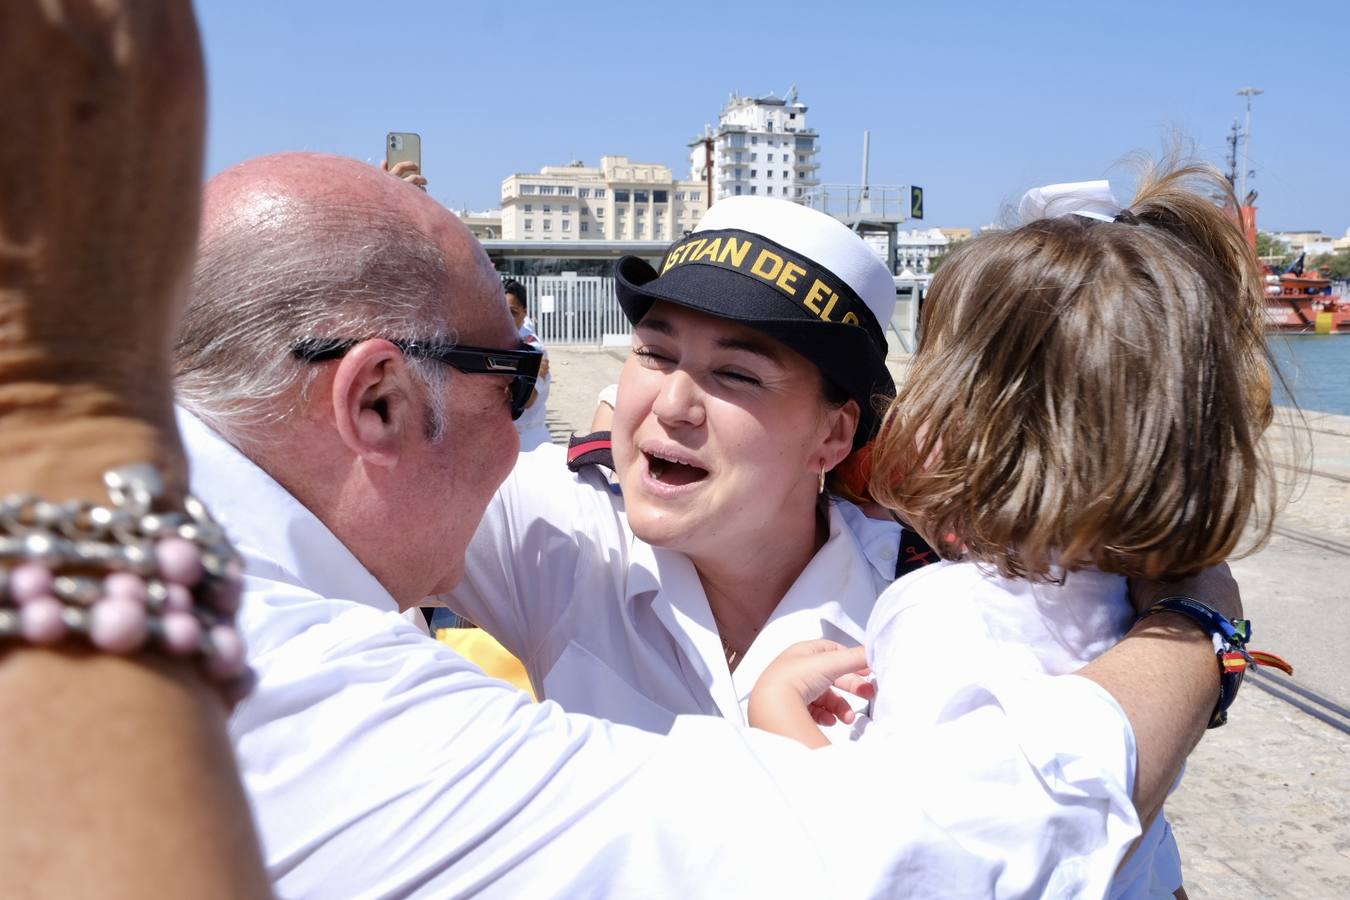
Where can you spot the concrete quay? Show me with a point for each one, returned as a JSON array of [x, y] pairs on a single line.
[[1264, 807]]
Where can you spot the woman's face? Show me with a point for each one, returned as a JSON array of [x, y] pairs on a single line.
[[719, 433]]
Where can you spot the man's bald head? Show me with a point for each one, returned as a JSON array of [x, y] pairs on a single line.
[[309, 245]]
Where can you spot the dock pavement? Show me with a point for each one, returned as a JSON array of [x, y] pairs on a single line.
[[1263, 810]]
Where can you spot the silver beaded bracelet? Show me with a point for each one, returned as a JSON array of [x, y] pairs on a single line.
[[125, 577]]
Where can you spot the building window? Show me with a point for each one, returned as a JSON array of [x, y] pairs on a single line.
[[548, 207], [585, 227], [753, 173], [736, 140], [752, 190], [565, 191], [599, 212], [738, 190], [754, 156], [529, 207], [567, 210], [548, 225], [639, 231], [545, 188], [754, 139], [679, 195], [769, 189], [527, 189], [739, 156], [639, 196], [584, 193], [599, 193], [695, 195], [620, 196], [529, 225], [738, 173], [786, 174], [770, 157], [792, 115], [567, 225], [660, 196], [768, 173]]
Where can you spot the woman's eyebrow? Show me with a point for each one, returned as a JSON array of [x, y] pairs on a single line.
[[748, 345]]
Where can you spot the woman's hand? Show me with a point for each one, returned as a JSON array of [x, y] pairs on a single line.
[[795, 693]]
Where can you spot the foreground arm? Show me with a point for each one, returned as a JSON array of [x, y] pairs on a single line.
[[1164, 675], [117, 779]]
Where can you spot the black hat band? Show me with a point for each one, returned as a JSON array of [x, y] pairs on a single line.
[[812, 288]]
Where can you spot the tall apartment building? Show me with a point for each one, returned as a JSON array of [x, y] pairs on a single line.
[[761, 146], [618, 201]]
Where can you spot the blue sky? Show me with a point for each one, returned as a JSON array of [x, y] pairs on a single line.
[[976, 101]]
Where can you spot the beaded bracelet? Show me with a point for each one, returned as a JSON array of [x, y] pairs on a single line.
[[126, 577]]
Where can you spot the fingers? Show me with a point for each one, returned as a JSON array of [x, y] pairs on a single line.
[[810, 648], [830, 707], [857, 685]]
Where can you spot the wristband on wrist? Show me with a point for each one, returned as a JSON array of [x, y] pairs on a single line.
[[1230, 638]]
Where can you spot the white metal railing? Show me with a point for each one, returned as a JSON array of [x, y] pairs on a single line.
[[573, 309], [584, 310], [843, 200]]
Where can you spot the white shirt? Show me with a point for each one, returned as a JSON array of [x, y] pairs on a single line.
[[951, 626], [610, 626], [381, 764]]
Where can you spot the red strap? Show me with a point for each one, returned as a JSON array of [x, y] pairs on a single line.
[[577, 450]]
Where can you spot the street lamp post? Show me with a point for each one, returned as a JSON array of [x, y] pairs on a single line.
[[1249, 93]]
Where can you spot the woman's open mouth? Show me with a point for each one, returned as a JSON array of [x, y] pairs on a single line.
[[669, 469]]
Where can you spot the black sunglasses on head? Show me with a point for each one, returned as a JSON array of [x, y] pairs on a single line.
[[520, 365]]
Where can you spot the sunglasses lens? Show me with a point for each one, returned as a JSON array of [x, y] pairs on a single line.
[[520, 395]]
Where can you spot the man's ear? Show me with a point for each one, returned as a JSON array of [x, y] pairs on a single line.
[[372, 399], [842, 422]]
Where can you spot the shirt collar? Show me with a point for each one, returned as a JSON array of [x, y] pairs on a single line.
[[269, 526]]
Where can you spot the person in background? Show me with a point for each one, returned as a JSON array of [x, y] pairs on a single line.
[[117, 778], [531, 426]]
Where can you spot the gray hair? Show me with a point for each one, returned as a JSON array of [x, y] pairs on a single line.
[[270, 277]]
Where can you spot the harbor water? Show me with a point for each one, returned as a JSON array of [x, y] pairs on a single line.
[[1317, 369]]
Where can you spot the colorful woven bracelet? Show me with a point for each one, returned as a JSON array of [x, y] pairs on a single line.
[[1230, 638], [125, 577]]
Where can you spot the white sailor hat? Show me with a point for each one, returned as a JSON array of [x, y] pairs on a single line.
[[790, 272]]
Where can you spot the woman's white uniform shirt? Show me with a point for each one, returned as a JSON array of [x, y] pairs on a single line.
[[611, 626]]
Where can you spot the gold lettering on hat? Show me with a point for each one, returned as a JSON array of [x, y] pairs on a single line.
[[766, 256], [708, 252], [850, 319], [791, 272], [817, 293], [735, 252]]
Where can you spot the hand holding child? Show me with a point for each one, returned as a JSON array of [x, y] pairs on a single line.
[[794, 695]]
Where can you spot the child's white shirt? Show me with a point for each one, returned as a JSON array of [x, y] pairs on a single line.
[[947, 628]]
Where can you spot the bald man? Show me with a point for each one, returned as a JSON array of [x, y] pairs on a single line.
[[349, 371]]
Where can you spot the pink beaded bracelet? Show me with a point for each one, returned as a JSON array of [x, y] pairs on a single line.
[[126, 577]]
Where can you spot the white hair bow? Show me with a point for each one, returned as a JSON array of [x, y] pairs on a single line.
[[1092, 199]]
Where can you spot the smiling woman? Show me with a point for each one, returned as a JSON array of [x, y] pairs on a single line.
[[758, 367]]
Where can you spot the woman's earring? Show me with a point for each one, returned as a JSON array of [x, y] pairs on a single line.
[[822, 478]]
